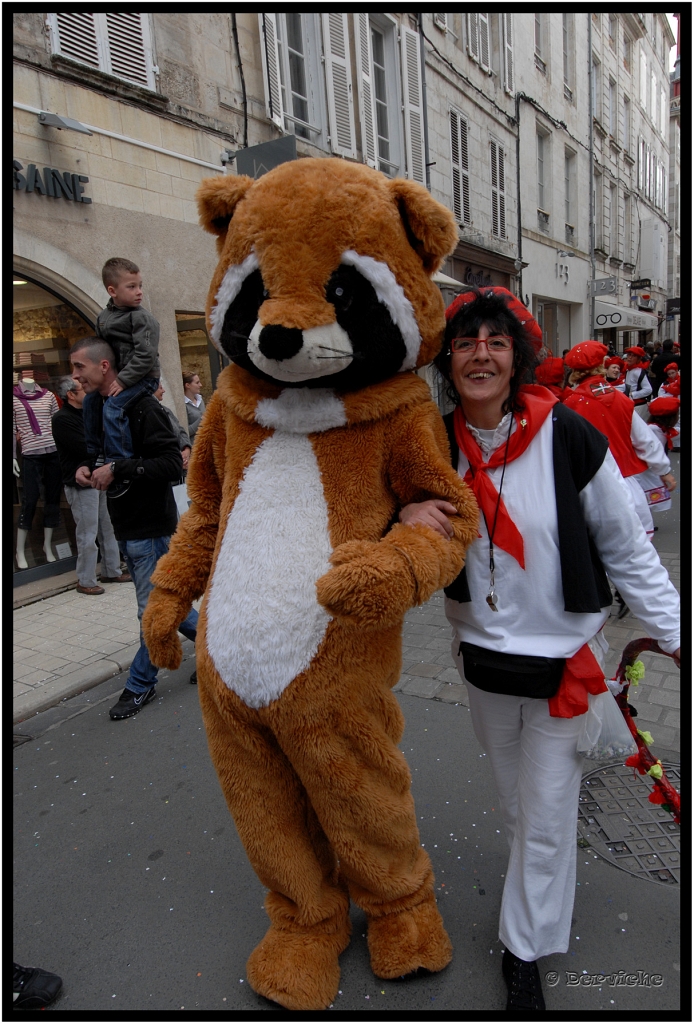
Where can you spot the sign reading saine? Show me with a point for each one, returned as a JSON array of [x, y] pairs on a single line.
[[52, 183]]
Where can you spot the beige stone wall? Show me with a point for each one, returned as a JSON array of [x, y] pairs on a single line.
[[143, 203]]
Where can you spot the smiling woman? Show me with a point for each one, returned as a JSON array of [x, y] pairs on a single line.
[[527, 611]]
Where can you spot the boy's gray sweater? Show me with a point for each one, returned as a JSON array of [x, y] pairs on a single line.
[[133, 334]]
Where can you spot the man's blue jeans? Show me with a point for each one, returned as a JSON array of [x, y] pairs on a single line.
[[141, 557], [106, 420]]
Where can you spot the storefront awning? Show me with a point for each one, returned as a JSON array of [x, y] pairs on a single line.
[[623, 318]]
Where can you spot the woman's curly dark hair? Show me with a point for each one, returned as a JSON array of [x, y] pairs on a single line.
[[492, 311]]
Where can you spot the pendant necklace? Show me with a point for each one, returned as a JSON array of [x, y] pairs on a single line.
[[492, 596]]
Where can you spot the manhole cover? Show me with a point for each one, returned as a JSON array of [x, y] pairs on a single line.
[[617, 821]]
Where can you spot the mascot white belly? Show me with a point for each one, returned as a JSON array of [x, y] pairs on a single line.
[[264, 624]]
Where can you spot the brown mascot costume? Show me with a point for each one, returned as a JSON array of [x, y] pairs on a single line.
[[318, 432]]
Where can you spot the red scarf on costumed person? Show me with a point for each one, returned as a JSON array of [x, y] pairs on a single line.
[[582, 674]]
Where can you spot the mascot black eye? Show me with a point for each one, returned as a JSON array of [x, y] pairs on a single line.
[[339, 292], [242, 314]]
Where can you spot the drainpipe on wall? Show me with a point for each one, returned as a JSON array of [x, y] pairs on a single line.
[[518, 200], [425, 122], [591, 176]]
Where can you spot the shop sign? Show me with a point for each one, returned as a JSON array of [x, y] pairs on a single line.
[[646, 303], [673, 306], [60, 185], [643, 282], [604, 286], [478, 279]]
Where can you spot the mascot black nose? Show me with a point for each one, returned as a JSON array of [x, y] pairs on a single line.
[[277, 342]]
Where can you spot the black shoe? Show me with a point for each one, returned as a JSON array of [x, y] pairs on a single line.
[[194, 678], [117, 490], [32, 988], [129, 703], [523, 982]]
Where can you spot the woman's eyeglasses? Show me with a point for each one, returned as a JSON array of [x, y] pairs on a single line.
[[496, 343]]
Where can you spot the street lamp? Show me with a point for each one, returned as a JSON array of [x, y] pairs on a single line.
[[49, 120]]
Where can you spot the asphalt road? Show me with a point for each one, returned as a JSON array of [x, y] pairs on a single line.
[[131, 882]]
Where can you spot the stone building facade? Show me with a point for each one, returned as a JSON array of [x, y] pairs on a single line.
[[118, 117]]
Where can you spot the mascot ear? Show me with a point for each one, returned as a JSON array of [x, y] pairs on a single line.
[[431, 229], [217, 199]]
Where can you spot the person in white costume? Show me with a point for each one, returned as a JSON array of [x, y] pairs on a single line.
[[528, 609]]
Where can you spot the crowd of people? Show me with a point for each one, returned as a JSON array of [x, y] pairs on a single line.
[[567, 458]]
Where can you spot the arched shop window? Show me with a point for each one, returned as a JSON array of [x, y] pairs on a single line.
[[44, 328]]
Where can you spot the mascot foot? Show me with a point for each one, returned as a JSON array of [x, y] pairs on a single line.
[[402, 943], [300, 971]]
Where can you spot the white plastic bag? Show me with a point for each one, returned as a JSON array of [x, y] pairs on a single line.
[[605, 735]]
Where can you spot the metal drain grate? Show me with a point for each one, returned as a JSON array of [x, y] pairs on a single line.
[[617, 821]]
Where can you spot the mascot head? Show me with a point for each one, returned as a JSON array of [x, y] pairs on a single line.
[[324, 274]]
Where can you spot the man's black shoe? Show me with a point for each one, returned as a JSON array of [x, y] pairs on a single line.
[[32, 988], [523, 982], [194, 678], [129, 703]]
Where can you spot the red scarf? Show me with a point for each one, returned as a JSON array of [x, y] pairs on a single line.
[[670, 432], [582, 675], [673, 388], [537, 404]]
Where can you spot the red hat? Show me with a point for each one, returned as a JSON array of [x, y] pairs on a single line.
[[664, 406], [532, 329], [672, 366], [550, 371], [614, 361], [635, 350], [586, 355]]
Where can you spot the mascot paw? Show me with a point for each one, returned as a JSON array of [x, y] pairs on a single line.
[[299, 971], [160, 622], [370, 586], [402, 943]]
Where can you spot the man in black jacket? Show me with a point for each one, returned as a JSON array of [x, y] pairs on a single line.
[[89, 508], [144, 516]]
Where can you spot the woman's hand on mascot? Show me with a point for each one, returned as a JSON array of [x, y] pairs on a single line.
[[371, 585], [160, 622], [433, 513]]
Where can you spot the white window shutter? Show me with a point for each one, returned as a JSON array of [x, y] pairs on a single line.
[[126, 51], [473, 45], [459, 168], [367, 118], [74, 36], [414, 107], [495, 189], [508, 53], [502, 189], [441, 21], [338, 80], [485, 59], [271, 68]]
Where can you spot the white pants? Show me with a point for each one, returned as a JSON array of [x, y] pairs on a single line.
[[641, 502], [92, 521], [538, 777]]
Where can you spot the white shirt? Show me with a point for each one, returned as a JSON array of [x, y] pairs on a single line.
[[196, 403], [647, 446], [632, 378], [531, 617]]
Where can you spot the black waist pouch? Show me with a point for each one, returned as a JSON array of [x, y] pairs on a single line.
[[517, 675]]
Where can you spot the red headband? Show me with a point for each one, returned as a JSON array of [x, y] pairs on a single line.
[[586, 355], [532, 329], [672, 366], [664, 406]]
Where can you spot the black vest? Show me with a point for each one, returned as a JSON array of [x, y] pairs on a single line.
[[578, 451]]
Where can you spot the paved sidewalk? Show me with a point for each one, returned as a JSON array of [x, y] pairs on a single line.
[[70, 642]]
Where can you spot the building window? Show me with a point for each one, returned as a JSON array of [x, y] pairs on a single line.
[[542, 148], [540, 47], [390, 96], [509, 67], [460, 167], [627, 229], [626, 138], [663, 112], [626, 52], [611, 231], [614, 22], [570, 192], [293, 73], [596, 79], [478, 40], [597, 207], [643, 79], [612, 113], [498, 190], [567, 24], [117, 44]]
